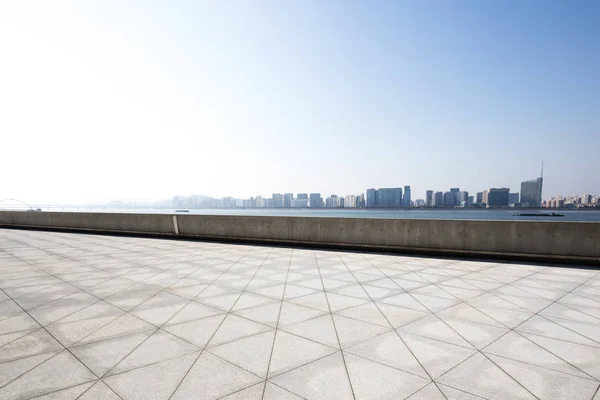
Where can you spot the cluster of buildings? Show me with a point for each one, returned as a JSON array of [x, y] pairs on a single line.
[[584, 201], [530, 196]]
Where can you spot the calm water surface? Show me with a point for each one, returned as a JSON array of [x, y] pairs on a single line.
[[503, 215]]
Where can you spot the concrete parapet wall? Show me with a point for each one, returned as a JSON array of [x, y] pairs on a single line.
[[104, 222], [548, 240]]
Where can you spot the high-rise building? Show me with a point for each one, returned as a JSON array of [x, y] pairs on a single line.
[[513, 198], [361, 201], [277, 200], [350, 201], [455, 199], [302, 196], [287, 200], [479, 197], [469, 201], [497, 197], [406, 199], [316, 201], [371, 198], [531, 193], [484, 196], [438, 199], [463, 196], [299, 203], [389, 198], [586, 198], [429, 198], [449, 199]]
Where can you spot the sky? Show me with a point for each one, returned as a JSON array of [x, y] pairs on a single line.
[[144, 100]]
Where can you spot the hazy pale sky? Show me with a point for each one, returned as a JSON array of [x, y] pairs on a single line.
[[103, 100]]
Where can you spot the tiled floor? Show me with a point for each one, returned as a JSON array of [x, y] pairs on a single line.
[[99, 317]]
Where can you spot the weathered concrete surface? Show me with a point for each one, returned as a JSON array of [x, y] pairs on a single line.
[[550, 240], [106, 222]]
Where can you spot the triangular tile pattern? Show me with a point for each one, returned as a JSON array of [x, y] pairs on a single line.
[[251, 353], [158, 380], [291, 351], [72, 393], [480, 376], [434, 356], [59, 372], [546, 384], [213, 378], [325, 378], [373, 380], [158, 347], [219, 318], [389, 349]]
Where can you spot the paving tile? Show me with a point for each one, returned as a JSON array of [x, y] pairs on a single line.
[[583, 357], [547, 384], [79, 325], [434, 356], [292, 291], [99, 391], [293, 313], [561, 311], [519, 348], [318, 301], [404, 300], [466, 312], [132, 296], [273, 392], [480, 376], [319, 329], [398, 316], [248, 300], [254, 392], [292, 351], [325, 378], [368, 312], [544, 327], [274, 292], [72, 393], [160, 308], [390, 350], [11, 370], [37, 342], [351, 331], [267, 314], [251, 353], [373, 380], [429, 392], [59, 372], [193, 311], [234, 328], [16, 323], [478, 335], [9, 307], [435, 328], [211, 378], [61, 308], [153, 382], [102, 356], [124, 325], [509, 318], [158, 347], [9, 337]]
